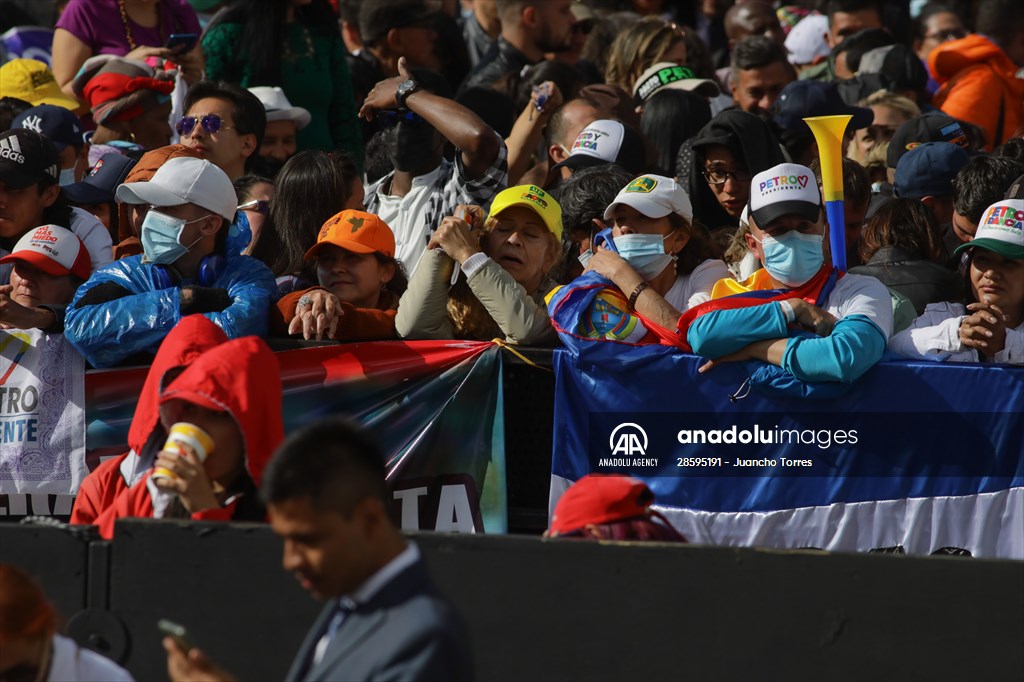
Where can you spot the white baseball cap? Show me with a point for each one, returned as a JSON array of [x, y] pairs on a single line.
[[806, 41], [278, 108], [607, 141], [673, 76], [1001, 229], [54, 250], [788, 188], [184, 181], [655, 196]]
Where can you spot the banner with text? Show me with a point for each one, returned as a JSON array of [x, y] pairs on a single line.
[[916, 457], [434, 407], [42, 418]]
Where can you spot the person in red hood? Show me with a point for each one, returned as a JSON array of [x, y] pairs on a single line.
[[233, 392], [978, 74], [190, 338]]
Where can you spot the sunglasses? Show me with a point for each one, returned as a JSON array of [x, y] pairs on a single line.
[[211, 123], [393, 118], [258, 205]]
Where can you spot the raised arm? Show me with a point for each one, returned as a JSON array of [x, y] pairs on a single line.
[[475, 140]]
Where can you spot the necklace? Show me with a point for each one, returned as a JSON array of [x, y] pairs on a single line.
[[310, 49], [127, 27]]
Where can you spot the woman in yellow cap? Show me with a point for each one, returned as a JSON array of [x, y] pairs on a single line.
[[504, 264]]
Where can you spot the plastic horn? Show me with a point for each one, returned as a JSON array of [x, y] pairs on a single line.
[[828, 131]]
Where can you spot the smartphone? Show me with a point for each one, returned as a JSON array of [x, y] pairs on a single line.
[[182, 42], [176, 632]]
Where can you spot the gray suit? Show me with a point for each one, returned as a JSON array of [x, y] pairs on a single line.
[[405, 632]]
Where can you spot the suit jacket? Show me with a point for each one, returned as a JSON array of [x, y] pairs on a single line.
[[407, 631]]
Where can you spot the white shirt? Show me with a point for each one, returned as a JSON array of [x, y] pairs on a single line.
[[862, 295], [935, 335], [695, 288], [73, 664], [404, 215]]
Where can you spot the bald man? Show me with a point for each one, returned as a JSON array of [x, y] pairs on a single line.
[[752, 18]]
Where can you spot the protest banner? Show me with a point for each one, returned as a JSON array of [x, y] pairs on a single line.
[[915, 457], [434, 407], [42, 420]]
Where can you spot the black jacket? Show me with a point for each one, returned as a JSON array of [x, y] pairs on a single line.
[[751, 141], [499, 69], [921, 281]]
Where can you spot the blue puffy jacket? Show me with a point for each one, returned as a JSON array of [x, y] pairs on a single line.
[[107, 333]]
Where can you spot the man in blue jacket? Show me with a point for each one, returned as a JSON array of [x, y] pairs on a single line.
[[798, 313], [188, 266]]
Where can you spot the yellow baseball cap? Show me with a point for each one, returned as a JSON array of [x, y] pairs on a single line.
[[31, 80], [532, 197]]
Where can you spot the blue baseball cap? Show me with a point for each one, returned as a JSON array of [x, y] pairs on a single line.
[[928, 170], [56, 124], [801, 99], [99, 185]]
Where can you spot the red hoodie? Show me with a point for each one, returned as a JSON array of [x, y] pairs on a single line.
[[190, 337], [241, 377], [979, 86]]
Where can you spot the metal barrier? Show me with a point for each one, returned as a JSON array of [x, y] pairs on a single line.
[[540, 609]]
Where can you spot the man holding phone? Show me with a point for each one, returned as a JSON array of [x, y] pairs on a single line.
[[326, 496]]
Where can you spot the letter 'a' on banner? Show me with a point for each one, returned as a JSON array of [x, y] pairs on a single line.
[[829, 131]]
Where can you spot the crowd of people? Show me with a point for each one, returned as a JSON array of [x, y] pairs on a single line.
[[358, 171], [185, 179]]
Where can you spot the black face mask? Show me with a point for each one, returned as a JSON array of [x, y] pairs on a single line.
[[412, 148]]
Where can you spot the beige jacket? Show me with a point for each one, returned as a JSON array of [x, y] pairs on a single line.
[[423, 313]]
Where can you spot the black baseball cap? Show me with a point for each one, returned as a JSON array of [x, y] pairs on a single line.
[[99, 185], [802, 99], [377, 17], [56, 124], [931, 127], [27, 158]]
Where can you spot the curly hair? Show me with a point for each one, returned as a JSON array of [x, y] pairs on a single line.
[[469, 317], [637, 48]]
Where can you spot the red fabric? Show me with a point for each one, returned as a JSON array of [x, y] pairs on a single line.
[[597, 499], [110, 86], [241, 376], [187, 341], [976, 77]]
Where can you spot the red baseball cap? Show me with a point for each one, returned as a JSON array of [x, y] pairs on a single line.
[[600, 498], [54, 250]]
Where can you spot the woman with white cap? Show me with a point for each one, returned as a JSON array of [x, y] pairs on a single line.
[[663, 263], [991, 327]]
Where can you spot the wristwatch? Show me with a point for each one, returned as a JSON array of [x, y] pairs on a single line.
[[405, 88]]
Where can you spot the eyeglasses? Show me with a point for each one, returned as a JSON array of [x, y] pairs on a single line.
[[717, 176], [393, 118], [259, 205], [947, 35], [211, 123]]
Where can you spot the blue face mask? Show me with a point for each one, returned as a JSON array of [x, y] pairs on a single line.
[[645, 253], [793, 258], [161, 237], [67, 176]]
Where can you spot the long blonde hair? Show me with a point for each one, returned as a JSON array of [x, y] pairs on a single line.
[[638, 47], [469, 317]]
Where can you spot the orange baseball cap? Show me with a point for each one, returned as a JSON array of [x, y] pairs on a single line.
[[356, 231]]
